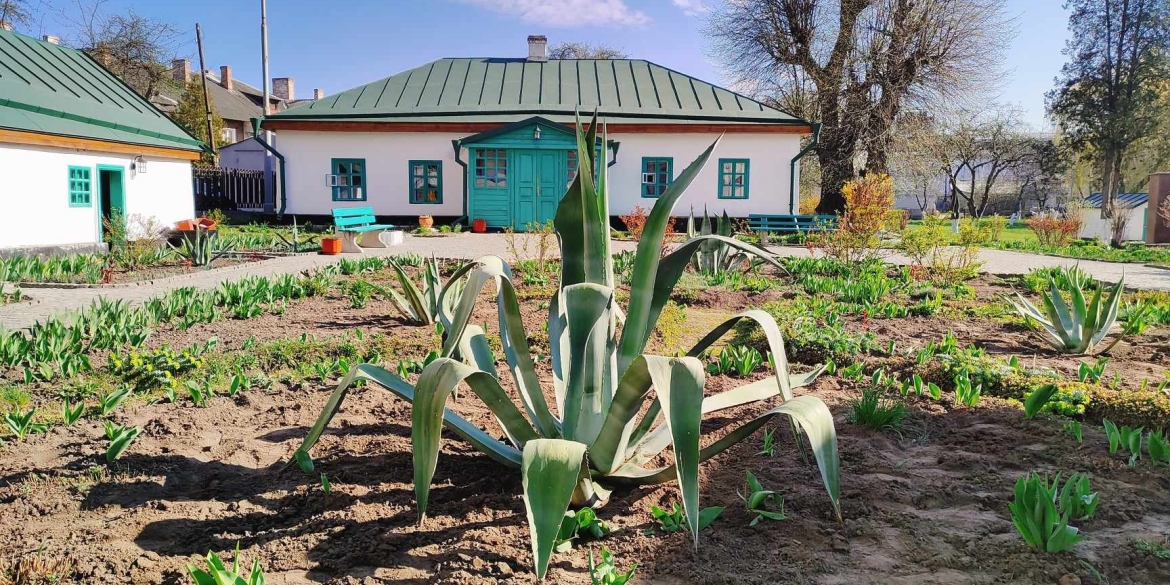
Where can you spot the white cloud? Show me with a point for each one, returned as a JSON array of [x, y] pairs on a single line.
[[691, 7], [568, 13]]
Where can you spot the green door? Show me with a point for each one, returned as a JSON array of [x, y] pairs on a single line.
[[538, 178], [111, 193]]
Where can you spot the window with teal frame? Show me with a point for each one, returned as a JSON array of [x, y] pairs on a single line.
[[733, 178], [491, 168], [348, 179], [657, 174], [80, 187], [426, 181]]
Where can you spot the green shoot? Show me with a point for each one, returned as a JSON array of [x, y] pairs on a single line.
[[218, 574], [325, 485], [1036, 400], [1158, 448], [21, 424], [71, 413], [759, 499], [607, 573], [673, 521], [1073, 428], [769, 443], [583, 524], [108, 403], [120, 438], [1035, 516]]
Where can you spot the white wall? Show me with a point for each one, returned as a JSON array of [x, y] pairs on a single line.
[[768, 177], [34, 194], [1095, 227], [308, 156]]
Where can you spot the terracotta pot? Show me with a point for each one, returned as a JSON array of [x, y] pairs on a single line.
[[187, 225], [331, 246], [479, 226], [426, 221], [207, 224]]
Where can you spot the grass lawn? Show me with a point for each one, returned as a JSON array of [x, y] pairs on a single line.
[[1011, 234]]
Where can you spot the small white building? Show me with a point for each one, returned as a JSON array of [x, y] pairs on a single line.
[[1134, 205], [493, 139], [77, 145]]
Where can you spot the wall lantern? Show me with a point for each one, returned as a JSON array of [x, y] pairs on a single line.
[[536, 133], [138, 165]]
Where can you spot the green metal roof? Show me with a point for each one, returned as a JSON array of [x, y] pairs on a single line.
[[50, 89], [487, 89]]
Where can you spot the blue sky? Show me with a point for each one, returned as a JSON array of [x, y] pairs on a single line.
[[338, 44]]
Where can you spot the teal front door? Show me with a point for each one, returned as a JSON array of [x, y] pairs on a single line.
[[538, 179]]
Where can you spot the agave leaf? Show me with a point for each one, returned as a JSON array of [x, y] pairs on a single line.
[[606, 453], [550, 471], [478, 438], [435, 385], [583, 233], [512, 336], [558, 344], [670, 269], [474, 350], [679, 384], [815, 420], [589, 390], [1110, 315], [640, 312], [414, 297], [775, 339]]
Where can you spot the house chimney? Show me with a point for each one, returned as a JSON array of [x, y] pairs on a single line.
[[52, 39], [537, 45], [181, 70], [4, 24], [225, 76], [318, 94], [282, 87]]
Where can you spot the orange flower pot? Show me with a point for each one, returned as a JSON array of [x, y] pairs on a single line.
[[331, 246], [479, 226], [426, 221]]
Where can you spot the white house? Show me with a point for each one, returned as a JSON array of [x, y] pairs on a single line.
[[1135, 206], [492, 139], [78, 145]]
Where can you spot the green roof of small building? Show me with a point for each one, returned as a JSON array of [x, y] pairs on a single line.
[[489, 89], [50, 89]]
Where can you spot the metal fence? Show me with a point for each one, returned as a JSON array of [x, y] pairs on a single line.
[[229, 189]]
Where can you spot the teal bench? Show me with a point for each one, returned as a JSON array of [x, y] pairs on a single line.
[[357, 225], [785, 224]]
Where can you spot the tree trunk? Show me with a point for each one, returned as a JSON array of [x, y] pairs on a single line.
[[836, 170], [1110, 181]]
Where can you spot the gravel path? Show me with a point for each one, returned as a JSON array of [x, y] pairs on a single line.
[[48, 301]]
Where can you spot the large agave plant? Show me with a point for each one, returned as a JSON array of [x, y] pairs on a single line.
[[615, 408], [1080, 328]]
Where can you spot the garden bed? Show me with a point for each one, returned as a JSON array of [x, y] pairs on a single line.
[[925, 504]]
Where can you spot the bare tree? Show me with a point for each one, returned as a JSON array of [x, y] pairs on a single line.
[[15, 13], [1106, 98], [574, 50], [978, 149], [913, 163], [135, 48], [1041, 174], [863, 60]]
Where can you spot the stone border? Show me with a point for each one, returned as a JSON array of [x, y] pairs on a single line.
[[157, 281]]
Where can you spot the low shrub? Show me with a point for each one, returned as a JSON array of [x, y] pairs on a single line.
[[1055, 230]]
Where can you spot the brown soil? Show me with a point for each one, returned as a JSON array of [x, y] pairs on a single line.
[[926, 506]]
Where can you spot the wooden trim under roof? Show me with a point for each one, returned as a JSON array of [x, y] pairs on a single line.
[[37, 139], [457, 127]]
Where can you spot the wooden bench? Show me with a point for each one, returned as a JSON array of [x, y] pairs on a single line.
[[785, 224], [357, 225]]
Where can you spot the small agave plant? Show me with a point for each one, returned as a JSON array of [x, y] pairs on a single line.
[[616, 408], [1078, 329], [424, 305]]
